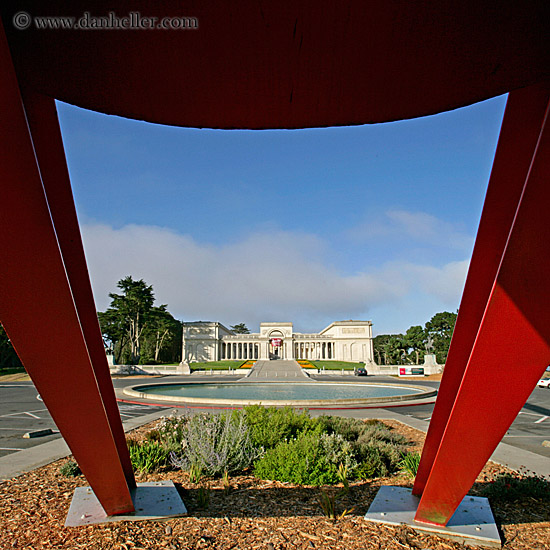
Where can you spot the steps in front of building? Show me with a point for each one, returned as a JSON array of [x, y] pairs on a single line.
[[279, 370]]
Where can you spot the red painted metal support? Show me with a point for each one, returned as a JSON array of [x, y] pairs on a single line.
[[510, 352], [48, 146], [518, 137], [37, 307]]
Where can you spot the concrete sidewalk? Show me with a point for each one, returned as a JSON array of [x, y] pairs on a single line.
[[279, 370]]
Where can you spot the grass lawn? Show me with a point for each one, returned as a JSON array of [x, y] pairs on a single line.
[[11, 370], [216, 365], [336, 365]]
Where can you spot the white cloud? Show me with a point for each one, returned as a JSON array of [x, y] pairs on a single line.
[[445, 283], [418, 227], [277, 276]]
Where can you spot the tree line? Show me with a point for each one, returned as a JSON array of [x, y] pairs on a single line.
[[410, 348], [138, 333]]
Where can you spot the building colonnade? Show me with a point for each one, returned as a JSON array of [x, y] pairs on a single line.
[[239, 350], [247, 350]]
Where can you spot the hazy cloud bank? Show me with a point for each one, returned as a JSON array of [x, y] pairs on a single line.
[[278, 276]]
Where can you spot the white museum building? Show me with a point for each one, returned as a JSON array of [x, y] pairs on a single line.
[[341, 341]]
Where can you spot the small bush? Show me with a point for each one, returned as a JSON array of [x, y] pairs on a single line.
[[171, 431], [517, 486], [269, 426], [372, 464], [195, 473], [203, 497], [148, 456], [215, 444], [365, 431], [328, 501], [311, 459], [378, 450], [350, 428], [380, 432], [409, 464], [70, 469], [343, 476]]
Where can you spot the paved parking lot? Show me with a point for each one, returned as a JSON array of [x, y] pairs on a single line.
[[529, 430], [22, 411]]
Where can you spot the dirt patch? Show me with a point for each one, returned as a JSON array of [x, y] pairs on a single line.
[[17, 377], [253, 514]]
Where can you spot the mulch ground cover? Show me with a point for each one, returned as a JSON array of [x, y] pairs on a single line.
[[252, 514]]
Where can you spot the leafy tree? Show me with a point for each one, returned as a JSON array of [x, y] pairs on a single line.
[[162, 329], [390, 349], [8, 356], [415, 339], [440, 328], [241, 328], [398, 349], [136, 329]]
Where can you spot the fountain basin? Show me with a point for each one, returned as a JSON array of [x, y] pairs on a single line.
[[296, 394]]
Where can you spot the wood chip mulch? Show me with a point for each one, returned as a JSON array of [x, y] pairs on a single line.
[[253, 514]]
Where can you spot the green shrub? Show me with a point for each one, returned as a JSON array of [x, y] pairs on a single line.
[[365, 431], [380, 432], [410, 463], [297, 448], [269, 425], [350, 428], [215, 444], [148, 456], [70, 469], [377, 449], [518, 485], [372, 464], [310, 459]]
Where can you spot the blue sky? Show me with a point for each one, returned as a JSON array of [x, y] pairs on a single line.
[[311, 226]]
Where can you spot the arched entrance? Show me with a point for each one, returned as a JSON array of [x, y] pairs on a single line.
[[276, 345]]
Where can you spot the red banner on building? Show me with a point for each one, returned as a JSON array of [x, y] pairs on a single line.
[[276, 342]]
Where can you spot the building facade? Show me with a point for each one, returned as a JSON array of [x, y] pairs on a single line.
[[340, 341]]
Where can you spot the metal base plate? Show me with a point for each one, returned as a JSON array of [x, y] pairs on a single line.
[[472, 523], [152, 500]]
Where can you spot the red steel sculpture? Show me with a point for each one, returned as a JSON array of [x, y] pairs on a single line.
[[290, 64]]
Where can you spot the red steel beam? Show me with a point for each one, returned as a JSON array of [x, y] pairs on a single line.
[[37, 307], [510, 353], [48, 146], [520, 130]]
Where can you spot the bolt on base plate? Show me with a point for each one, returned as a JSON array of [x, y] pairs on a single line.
[[154, 500], [473, 522]]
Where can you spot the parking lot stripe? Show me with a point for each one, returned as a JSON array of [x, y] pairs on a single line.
[[14, 429], [541, 420]]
